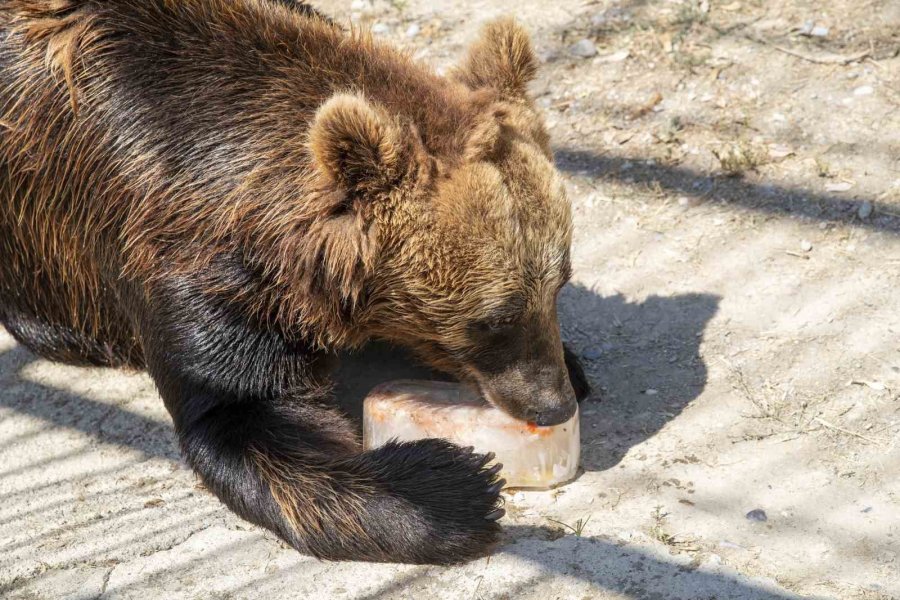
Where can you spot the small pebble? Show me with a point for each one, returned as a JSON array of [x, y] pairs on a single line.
[[592, 352], [867, 509], [712, 561], [838, 186], [865, 210], [811, 29], [806, 245], [863, 90], [615, 57], [549, 56], [413, 30], [380, 28], [758, 515], [689, 201], [583, 48], [651, 392]]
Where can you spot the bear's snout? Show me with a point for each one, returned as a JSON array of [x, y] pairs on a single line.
[[539, 394]]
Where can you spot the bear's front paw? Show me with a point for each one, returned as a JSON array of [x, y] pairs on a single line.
[[453, 493]]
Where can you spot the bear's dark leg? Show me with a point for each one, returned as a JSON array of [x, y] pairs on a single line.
[[281, 456], [294, 466], [579, 380]]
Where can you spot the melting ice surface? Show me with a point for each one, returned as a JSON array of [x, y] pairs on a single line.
[[532, 456]]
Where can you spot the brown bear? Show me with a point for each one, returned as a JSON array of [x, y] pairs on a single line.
[[226, 192]]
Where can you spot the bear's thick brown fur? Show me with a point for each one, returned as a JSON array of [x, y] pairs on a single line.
[[225, 192]]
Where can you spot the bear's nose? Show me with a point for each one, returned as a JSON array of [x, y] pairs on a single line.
[[556, 415]]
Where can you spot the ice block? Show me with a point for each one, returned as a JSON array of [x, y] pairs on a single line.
[[532, 456]]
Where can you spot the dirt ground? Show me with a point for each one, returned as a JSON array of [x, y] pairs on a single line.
[[735, 172]]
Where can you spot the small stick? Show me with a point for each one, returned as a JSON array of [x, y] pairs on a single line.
[[829, 59], [822, 421], [478, 587], [886, 427]]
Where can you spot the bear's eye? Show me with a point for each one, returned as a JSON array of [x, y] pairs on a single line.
[[497, 324], [502, 318], [501, 323]]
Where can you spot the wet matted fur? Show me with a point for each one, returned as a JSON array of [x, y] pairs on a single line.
[[225, 192]]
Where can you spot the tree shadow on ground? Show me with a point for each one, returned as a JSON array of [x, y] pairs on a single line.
[[598, 564], [630, 571], [773, 199], [106, 423], [590, 566]]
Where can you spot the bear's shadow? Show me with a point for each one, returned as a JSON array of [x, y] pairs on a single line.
[[643, 360]]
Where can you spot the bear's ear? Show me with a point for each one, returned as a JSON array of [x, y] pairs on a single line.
[[502, 59], [357, 145]]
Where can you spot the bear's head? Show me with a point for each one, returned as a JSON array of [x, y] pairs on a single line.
[[462, 254]]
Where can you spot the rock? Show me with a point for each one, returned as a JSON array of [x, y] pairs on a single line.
[[863, 90], [779, 151], [651, 392], [838, 186], [865, 210], [615, 57], [413, 30], [549, 56], [583, 48], [810, 29], [380, 28], [806, 245], [758, 515], [712, 561]]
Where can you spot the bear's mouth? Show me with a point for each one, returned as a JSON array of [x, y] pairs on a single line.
[[519, 402]]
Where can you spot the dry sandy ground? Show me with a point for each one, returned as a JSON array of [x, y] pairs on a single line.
[[742, 333]]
